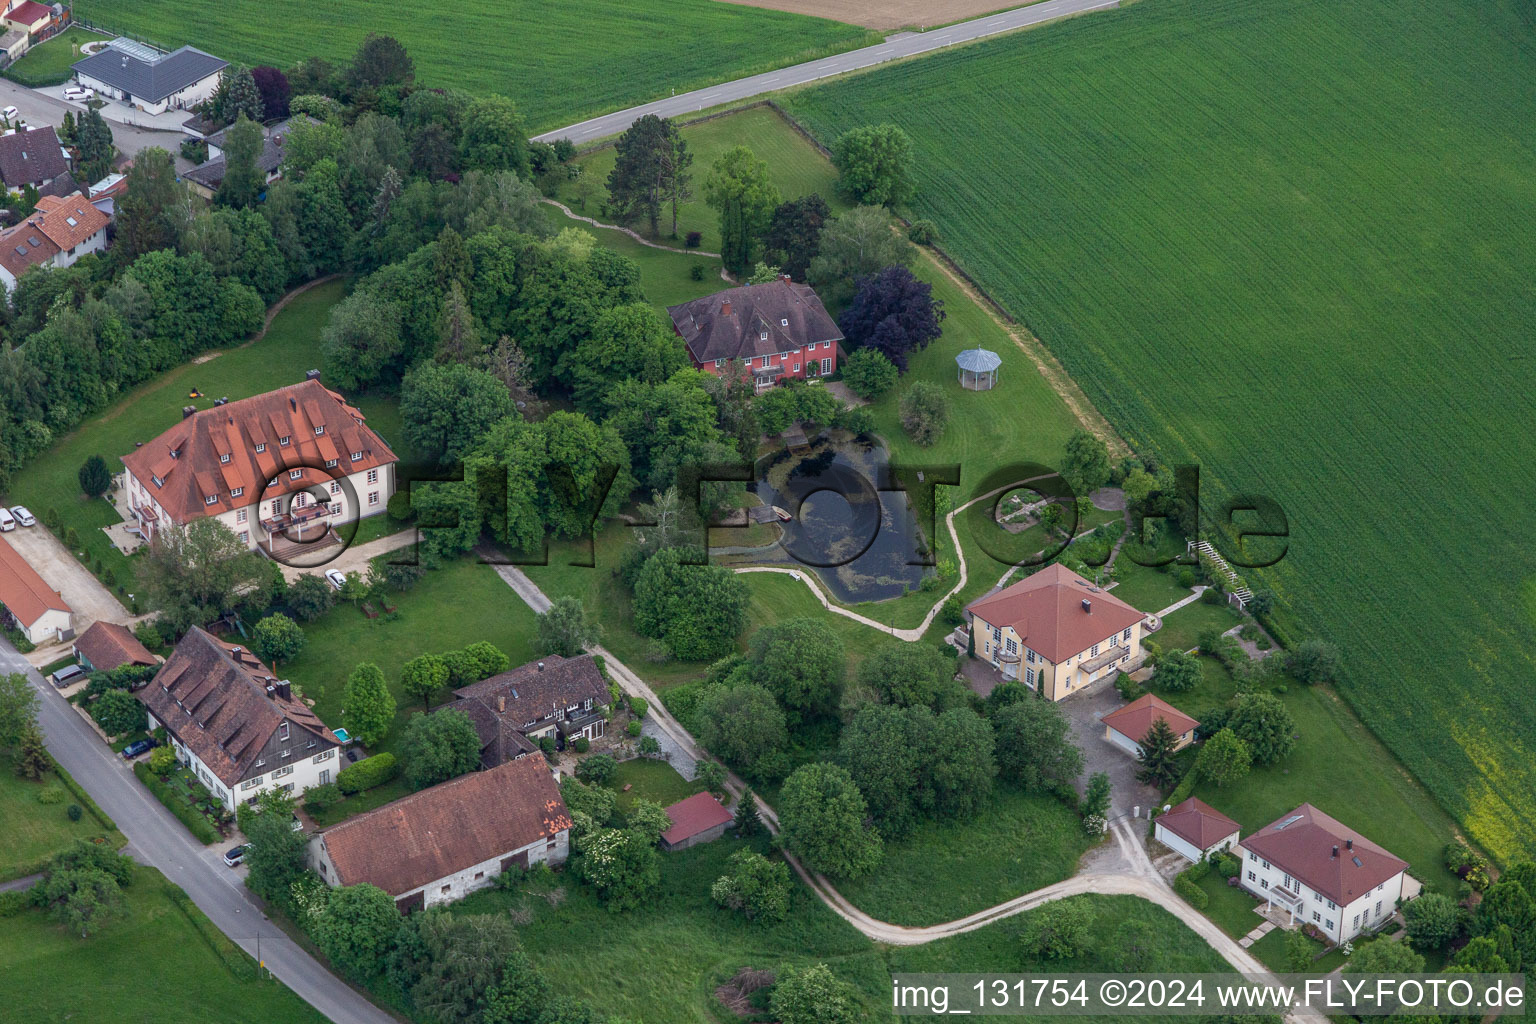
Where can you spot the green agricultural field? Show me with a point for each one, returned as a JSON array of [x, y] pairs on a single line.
[[163, 961], [560, 62], [49, 63], [1014, 844], [1291, 243]]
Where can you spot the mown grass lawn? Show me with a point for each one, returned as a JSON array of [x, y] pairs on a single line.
[[162, 962], [560, 62], [1231, 907], [449, 608], [650, 779], [1145, 588], [1181, 629], [289, 347], [666, 277], [35, 831], [1014, 844], [49, 63], [1289, 244]]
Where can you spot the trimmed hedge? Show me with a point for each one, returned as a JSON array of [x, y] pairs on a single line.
[[368, 773], [1192, 893], [201, 828]]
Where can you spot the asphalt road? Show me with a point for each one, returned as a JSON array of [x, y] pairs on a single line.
[[39, 109], [158, 839], [908, 44]]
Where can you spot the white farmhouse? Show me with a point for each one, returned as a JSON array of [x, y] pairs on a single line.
[[149, 79], [443, 843], [236, 725], [279, 469], [1323, 873]]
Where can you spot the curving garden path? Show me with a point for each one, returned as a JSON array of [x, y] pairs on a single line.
[[1121, 869]]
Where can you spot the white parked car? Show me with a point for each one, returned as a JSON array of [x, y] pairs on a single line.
[[9, 113], [332, 576], [23, 517], [79, 93], [7, 521]]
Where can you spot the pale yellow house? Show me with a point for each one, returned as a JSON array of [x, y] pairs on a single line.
[[1056, 632]]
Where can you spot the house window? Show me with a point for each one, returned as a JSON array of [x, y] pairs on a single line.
[[1012, 646], [797, 367], [1251, 877], [282, 731], [300, 500], [479, 875], [278, 773], [283, 441], [1264, 883], [236, 493], [1095, 652], [373, 476], [1253, 856], [997, 635], [1127, 636], [445, 889], [1332, 905], [324, 755], [294, 474], [373, 498], [1029, 655], [212, 499], [245, 536], [335, 487], [783, 323], [330, 463], [319, 430], [762, 336], [1029, 677], [158, 481], [224, 458], [261, 447], [1265, 863], [259, 761], [336, 508], [357, 456], [826, 365], [1317, 897], [1356, 925], [1316, 916], [1328, 924], [1378, 909], [253, 783]]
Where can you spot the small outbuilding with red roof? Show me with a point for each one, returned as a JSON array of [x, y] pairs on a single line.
[[1128, 726], [698, 819], [105, 646], [1195, 830]]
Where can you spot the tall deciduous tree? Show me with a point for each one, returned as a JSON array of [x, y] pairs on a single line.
[[793, 237], [495, 136], [821, 814], [908, 675], [1086, 465], [1224, 758], [739, 190], [439, 747], [357, 928], [423, 676], [893, 313], [1034, 746], [273, 86], [447, 409], [1158, 767], [370, 707], [857, 244], [380, 62], [153, 208], [275, 853], [277, 638], [18, 709], [196, 573], [696, 610], [566, 629], [1263, 722], [650, 168], [874, 164], [802, 663], [741, 723], [911, 764]]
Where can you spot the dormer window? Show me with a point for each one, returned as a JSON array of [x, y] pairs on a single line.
[[224, 458], [283, 441], [157, 481], [783, 323], [261, 447], [330, 463], [294, 474], [212, 499], [762, 336], [237, 492], [320, 430], [357, 456]]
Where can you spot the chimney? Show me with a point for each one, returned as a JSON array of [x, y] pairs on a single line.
[[725, 308], [501, 704], [541, 666], [312, 375], [785, 278], [187, 411], [1335, 853], [272, 690], [1349, 844], [285, 690], [1087, 606]]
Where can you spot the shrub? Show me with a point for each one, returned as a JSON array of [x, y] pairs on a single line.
[[1126, 687], [1212, 595], [1192, 893], [638, 706], [367, 773], [649, 746], [1227, 865], [869, 374], [196, 822], [696, 272], [162, 760], [1187, 578], [399, 506], [924, 412], [51, 795], [581, 744], [692, 240], [14, 901], [597, 770], [922, 232], [322, 798], [75, 812], [633, 728]]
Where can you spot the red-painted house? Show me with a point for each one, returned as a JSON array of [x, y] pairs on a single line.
[[777, 330]]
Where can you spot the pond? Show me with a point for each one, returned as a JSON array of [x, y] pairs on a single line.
[[858, 540]]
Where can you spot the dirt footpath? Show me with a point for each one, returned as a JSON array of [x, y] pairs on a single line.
[[84, 592], [885, 15]]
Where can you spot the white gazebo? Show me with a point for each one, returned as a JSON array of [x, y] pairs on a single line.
[[978, 369]]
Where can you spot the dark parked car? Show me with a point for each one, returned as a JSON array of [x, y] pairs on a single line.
[[234, 855], [136, 748]]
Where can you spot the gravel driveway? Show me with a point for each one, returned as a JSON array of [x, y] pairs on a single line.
[[58, 568], [1085, 711]]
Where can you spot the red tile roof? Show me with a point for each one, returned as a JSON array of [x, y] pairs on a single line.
[[107, 645], [698, 813], [1137, 717], [67, 220], [431, 834], [28, 13], [23, 591], [1047, 612], [1197, 823], [195, 472], [1302, 845]]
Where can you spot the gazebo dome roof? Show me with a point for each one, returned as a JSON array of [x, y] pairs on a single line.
[[979, 360]]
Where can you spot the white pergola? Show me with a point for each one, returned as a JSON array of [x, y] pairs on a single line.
[[978, 369]]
